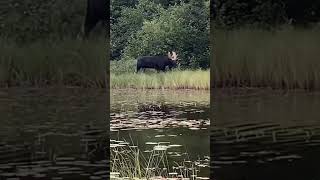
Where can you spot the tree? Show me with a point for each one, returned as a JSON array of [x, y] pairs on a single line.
[[129, 22], [182, 28]]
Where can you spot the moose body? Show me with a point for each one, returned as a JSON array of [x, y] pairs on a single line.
[[96, 11], [158, 63]]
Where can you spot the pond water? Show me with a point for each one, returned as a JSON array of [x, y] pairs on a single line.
[[53, 134], [265, 135], [61, 133], [170, 128]]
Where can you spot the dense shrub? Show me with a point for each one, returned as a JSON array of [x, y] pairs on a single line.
[[152, 29]]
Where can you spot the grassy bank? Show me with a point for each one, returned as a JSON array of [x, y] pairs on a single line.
[[45, 63], [283, 59], [188, 79]]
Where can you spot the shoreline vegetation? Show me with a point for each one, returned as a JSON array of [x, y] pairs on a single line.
[[69, 62], [186, 79], [129, 161], [285, 59]]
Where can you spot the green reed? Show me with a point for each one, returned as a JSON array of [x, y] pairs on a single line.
[[187, 79], [285, 59], [42, 63], [129, 162]]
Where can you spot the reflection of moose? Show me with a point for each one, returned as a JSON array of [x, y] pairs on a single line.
[[96, 11], [157, 62]]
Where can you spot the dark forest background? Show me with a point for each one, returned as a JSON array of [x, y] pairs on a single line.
[[268, 14], [28, 20]]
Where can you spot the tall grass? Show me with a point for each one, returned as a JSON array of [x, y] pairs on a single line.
[[123, 66], [130, 162], [188, 79], [286, 59], [43, 63]]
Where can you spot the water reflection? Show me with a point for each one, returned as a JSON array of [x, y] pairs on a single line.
[[168, 124], [52, 133], [266, 135]]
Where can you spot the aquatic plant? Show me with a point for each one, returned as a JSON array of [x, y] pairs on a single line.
[[129, 162]]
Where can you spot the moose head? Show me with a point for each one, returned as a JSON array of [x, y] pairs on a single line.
[[174, 58]]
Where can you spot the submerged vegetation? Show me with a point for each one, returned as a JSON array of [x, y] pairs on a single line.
[[287, 58]]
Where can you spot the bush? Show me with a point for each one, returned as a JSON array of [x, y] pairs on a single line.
[[182, 28]]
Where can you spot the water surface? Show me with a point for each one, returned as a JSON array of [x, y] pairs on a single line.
[[177, 118], [265, 135], [53, 134]]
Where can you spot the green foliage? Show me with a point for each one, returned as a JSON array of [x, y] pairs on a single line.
[[267, 14], [27, 20], [151, 29], [116, 8], [130, 21]]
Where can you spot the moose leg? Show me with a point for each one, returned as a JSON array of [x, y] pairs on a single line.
[[138, 68], [163, 69], [159, 69]]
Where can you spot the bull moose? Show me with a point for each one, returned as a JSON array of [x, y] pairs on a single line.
[[158, 63], [96, 11]]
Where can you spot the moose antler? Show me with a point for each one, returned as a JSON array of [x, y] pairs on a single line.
[[174, 56]]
